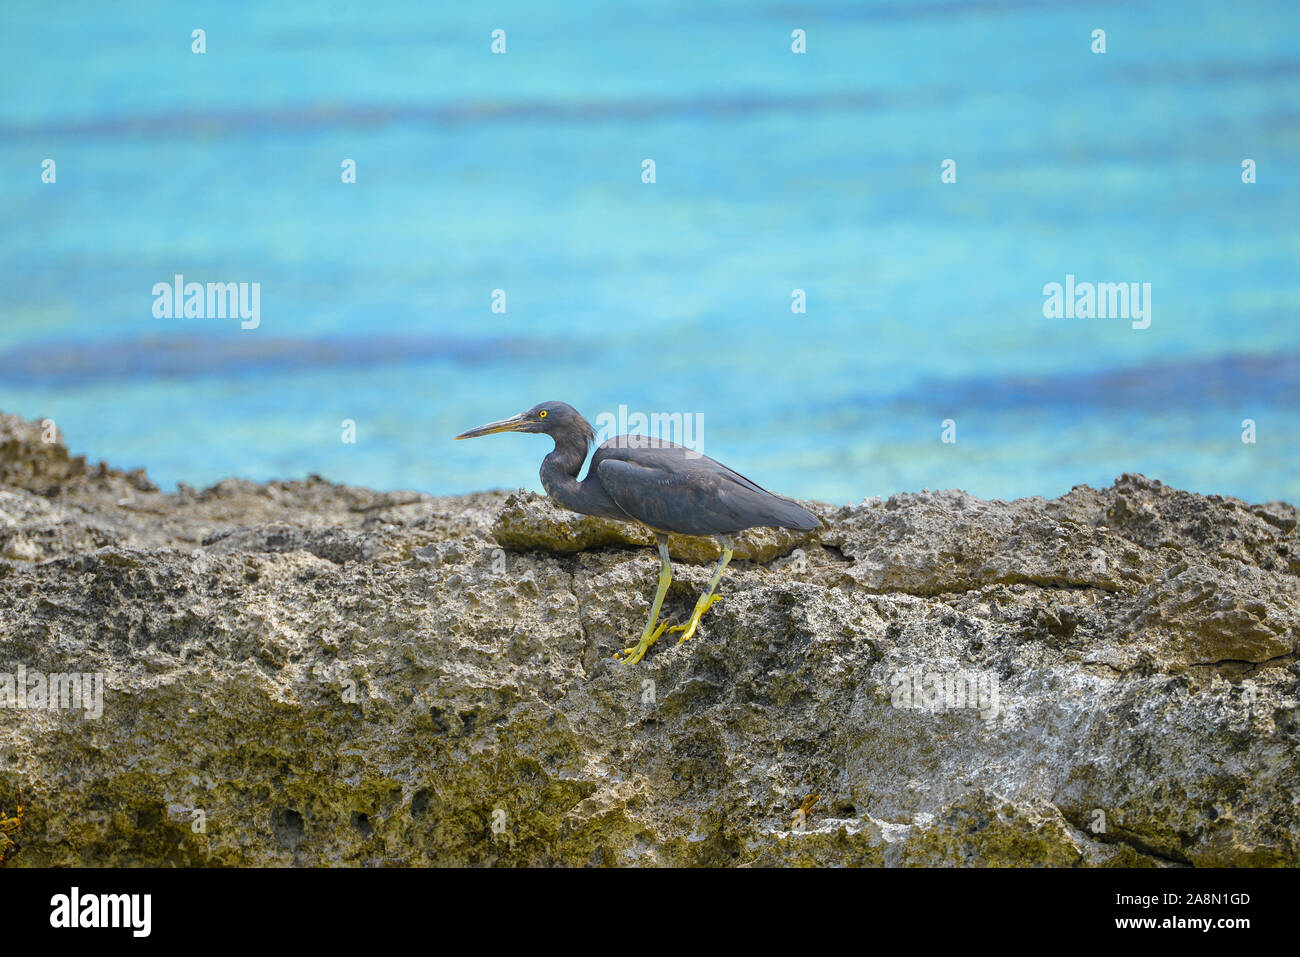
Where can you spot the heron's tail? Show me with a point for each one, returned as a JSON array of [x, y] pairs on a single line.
[[790, 514]]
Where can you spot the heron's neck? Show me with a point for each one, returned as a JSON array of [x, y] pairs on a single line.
[[560, 472]]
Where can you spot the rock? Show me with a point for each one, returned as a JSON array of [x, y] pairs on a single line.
[[530, 522], [314, 674]]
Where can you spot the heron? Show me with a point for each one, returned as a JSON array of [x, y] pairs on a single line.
[[664, 487]]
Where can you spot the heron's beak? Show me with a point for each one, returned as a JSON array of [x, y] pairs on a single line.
[[516, 423]]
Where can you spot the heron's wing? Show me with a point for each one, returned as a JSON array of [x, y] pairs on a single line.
[[672, 489], [669, 456]]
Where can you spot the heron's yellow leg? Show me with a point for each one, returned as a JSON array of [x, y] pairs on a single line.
[[707, 600], [651, 633], [10, 825]]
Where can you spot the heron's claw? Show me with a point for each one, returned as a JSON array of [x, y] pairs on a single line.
[[694, 623], [637, 652]]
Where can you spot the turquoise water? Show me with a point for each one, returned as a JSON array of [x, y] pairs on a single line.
[[774, 172]]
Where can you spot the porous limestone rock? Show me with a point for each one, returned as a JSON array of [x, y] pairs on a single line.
[[312, 674]]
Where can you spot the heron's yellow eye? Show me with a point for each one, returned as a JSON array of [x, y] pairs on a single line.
[[542, 414]]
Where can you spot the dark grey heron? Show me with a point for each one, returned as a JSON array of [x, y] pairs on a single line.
[[665, 487]]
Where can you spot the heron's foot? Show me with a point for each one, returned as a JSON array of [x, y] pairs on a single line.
[[637, 651], [701, 607]]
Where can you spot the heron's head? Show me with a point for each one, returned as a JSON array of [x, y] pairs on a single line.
[[556, 419]]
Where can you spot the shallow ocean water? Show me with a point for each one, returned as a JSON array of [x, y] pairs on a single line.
[[775, 172]]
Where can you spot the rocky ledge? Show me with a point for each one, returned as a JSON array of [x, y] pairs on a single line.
[[312, 674]]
